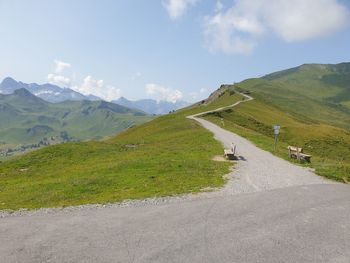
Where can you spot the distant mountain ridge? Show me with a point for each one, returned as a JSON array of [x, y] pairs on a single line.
[[152, 106], [55, 94], [48, 92], [29, 120]]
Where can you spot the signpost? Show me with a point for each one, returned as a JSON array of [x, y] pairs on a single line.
[[276, 129]]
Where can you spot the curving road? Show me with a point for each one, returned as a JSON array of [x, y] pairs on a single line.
[[270, 211], [257, 170]]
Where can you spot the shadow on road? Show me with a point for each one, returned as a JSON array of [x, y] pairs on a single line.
[[241, 158]]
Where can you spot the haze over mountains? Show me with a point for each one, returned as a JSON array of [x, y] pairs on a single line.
[[152, 106], [53, 93], [48, 92], [34, 115], [27, 119]]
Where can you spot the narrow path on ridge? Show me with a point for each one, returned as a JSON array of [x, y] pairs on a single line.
[[256, 169]]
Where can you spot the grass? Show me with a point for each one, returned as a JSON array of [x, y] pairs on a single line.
[[172, 155], [311, 102], [287, 100], [329, 145], [322, 82], [29, 119]]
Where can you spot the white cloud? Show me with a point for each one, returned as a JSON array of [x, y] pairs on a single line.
[[98, 88], [46, 92], [136, 76], [176, 8], [238, 29], [196, 95], [61, 66], [162, 93], [88, 86], [59, 80], [306, 19], [218, 6]]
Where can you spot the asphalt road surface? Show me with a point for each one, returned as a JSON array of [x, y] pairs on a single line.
[[294, 224], [270, 211]]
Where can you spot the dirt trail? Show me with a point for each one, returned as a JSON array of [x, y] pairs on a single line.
[[256, 169]]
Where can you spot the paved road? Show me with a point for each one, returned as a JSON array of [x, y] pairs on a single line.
[[295, 224], [274, 217]]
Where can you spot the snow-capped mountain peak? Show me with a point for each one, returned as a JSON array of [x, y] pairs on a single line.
[[48, 92]]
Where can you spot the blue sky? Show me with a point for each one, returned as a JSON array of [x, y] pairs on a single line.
[[166, 49]]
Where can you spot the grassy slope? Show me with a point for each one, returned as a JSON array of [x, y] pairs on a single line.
[[312, 109], [311, 102], [323, 82], [29, 119], [174, 155], [329, 145]]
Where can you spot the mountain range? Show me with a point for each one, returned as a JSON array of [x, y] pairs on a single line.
[[28, 119], [53, 93], [48, 92], [152, 106]]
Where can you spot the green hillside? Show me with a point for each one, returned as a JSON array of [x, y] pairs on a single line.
[[27, 119], [326, 83], [169, 155], [302, 100], [173, 155], [317, 92]]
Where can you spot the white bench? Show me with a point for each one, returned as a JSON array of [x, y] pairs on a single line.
[[297, 153], [230, 153]]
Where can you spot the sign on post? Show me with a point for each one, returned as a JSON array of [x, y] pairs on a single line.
[[276, 130]]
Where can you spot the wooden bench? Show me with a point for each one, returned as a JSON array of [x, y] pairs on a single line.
[[297, 153], [230, 153]]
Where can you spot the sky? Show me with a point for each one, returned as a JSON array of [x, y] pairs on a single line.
[[166, 49]]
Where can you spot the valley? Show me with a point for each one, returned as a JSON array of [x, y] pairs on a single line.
[[28, 122]]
